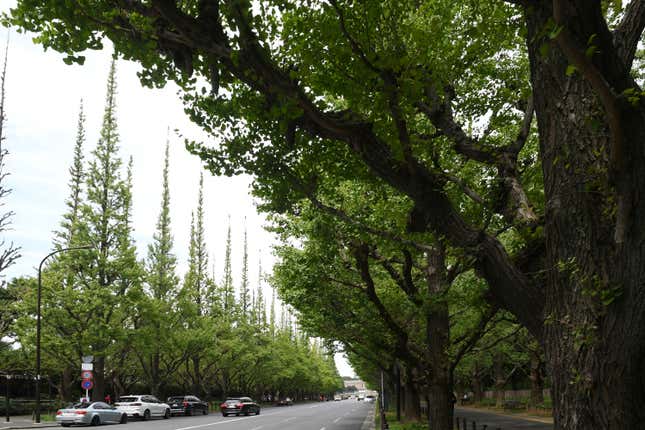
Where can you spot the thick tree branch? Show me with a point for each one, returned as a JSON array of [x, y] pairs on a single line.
[[629, 32], [577, 56], [474, 337], [403, 281], [361, 254]]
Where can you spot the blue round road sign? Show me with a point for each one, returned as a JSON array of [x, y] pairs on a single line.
[[87, 384]]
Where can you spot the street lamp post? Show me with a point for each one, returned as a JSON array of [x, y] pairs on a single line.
[[40, 266]]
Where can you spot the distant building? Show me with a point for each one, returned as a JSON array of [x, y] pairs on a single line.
[[356, 383]]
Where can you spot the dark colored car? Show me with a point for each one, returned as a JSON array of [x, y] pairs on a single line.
[[285, 402], [187, 405], [239, 405]]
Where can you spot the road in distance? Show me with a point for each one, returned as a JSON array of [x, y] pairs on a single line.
[[342, 415]]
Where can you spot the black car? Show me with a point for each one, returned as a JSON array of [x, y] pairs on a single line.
[[239, 405], [187, 405], [285, 402]]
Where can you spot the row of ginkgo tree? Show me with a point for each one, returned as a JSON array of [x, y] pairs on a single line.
[[147, 329]]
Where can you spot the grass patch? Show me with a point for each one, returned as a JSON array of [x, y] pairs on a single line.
[[396, 425]]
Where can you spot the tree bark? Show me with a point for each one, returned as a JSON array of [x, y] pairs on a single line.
[[593, 161], [500, 379], [98, 392], [440, 405], [478, 388], [412, 407], [536, 376]]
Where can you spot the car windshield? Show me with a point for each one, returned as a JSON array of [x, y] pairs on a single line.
[[128, 399], [176, 399]]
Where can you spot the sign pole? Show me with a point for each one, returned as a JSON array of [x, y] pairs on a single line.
[[6, 398]]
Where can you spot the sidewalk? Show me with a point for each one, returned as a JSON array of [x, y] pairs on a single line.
[[522, 415], [24, 422]]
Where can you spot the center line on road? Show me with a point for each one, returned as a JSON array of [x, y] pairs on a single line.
[[216, 423]]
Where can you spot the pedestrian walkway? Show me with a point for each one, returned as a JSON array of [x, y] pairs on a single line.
[[486, 420], [23, 422]]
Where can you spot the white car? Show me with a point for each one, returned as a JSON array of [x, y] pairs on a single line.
[[143, 406]]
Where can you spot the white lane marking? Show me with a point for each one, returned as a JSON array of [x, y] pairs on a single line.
[[288, 419], [257, 428], [216, 423], [337, 419], [322, 428]]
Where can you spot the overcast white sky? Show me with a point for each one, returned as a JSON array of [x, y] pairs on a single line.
[[42, 101]]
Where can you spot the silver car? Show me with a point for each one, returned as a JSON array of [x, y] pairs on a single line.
[[93, 413]]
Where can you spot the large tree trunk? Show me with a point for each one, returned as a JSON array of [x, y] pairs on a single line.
[[412, 407], [536, 376], [594, 172], [500, 379], [478, 387], [64, 391], [98, 392], [440, 405]]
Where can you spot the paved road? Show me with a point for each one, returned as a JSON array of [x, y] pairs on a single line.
[[494, 421], [343, 415]]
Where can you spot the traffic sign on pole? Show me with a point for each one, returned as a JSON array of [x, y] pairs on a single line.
[[87, 384], [87, 366], [87, 374]]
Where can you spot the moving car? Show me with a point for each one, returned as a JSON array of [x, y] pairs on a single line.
[[285, 402], [239, 405], [93, 413], [337, 398], [143, 406], [187, 405], [370, 398]]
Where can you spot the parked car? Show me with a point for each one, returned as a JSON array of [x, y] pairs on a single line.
[[337, 398], [239, 405], [285, 402], [187, 405], [93, 413], [370, 398], [143, 406]]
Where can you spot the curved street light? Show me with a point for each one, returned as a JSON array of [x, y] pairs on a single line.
[[40, 266]]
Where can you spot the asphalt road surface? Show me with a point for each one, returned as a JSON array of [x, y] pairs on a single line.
[[494, 421], [343, 415]]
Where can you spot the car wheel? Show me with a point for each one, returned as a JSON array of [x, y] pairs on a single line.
[[246, 412], [65, 425], [257, 412], [95, 420], [124, 419], [224, 415], [205, 411], [146, 415], [167, 414]]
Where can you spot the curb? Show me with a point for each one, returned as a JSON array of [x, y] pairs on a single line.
[[29, 426], [369, 423]]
